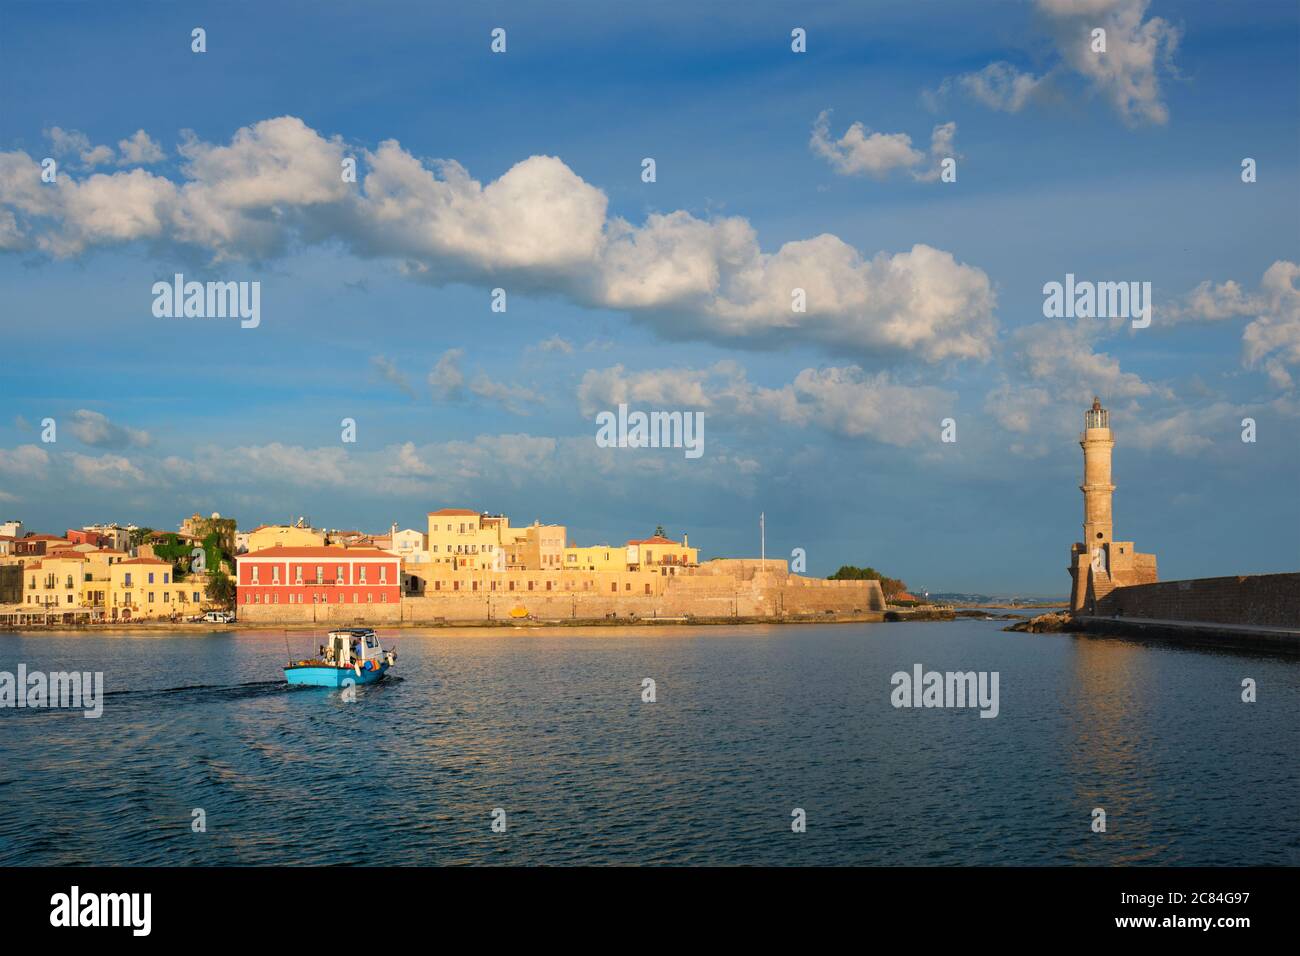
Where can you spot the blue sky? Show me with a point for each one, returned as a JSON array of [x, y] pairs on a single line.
[[925, 297]]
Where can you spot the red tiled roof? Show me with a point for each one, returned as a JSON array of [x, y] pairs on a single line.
[[314, 552], [145, 561], [455, 511], [657, 539]]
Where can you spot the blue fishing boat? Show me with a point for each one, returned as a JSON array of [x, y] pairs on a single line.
[[352, 656]]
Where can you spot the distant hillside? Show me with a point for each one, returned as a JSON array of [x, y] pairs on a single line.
[[958, 597]]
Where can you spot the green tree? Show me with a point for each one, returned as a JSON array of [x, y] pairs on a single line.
[[849, 572], [221, 589]]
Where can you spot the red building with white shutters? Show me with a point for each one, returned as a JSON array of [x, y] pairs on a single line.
[[351, 577]]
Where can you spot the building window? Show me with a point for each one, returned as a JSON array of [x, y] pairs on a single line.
[[167, 577], [383, 575], [255, 581], [320, 574], [275, 574], [362, 578], [150, 597], [167, 598], [151, 573], [530, 585], [647, 587], [614, 587]]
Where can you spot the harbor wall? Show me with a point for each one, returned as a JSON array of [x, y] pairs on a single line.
[[1259, 600], [718, 589]]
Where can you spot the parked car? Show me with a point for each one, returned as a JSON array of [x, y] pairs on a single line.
[[219, 617]]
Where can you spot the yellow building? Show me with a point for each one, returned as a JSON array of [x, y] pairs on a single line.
[[55, 582], [659, 551], [600, 557], [538, 547], [461, 538], [144, 588], [287, 536]]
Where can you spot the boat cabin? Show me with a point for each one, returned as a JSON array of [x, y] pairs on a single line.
[[350, 645]]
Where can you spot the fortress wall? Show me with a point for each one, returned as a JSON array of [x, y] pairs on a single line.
[[1266, 600], [339, 615], [706, 596], [743, 569]]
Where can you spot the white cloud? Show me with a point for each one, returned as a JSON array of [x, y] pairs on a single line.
[[555, 343], [1271, 341], [1059, 355], [388, 371], [1138, 52], [862, 152], [513, 398], [539, 227], [64, 142], [843, 401], [1273, 338], [446, 380], [94, 428], [1001, 86], [139, 149], [1015, 408], [25, 461], [447, 383], [105, 471]]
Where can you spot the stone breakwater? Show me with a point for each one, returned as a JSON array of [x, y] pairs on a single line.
[[1050, 623], [1245, 611]]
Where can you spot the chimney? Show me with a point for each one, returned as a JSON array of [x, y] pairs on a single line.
[[686, 540]]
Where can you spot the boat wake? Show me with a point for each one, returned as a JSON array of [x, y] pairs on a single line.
[[197, 693]]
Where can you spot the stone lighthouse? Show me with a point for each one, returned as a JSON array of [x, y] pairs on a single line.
[[1096, 443], [1099, 563]]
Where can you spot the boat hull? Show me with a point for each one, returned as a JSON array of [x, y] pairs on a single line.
[[317, 676]]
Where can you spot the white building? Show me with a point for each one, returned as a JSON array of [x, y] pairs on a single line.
[[410, 545]]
